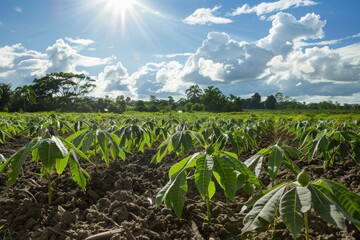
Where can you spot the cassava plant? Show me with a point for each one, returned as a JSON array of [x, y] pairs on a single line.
[[292, 201], [209, 165], [93, 140], [52, 155], [276, 155]]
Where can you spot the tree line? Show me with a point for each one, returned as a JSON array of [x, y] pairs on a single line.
[[68, 92]]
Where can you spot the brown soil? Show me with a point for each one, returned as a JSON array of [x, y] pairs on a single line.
[[119, 203]]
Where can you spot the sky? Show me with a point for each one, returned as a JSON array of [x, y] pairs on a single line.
[[306, 49]]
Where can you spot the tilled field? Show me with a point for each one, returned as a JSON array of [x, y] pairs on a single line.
[[119, 203]]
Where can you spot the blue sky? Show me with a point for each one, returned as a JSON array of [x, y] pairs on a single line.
[[306, 49]]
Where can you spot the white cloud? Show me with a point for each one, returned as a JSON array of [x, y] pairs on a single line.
[[314, 65], [204, 16], [269, 7], [22, 65], [222, 59], [286, 30], [159, 79], [283, 62], [80, 41], [327, 42], [173, 55], [2, 24], [18, 9], [112, 81], [65, 58]]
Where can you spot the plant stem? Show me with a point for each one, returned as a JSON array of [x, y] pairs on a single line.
[[50, 191], [208, 209], [306, 220]]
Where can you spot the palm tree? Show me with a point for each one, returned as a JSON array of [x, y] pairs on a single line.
[[24, 95], [194, 93]]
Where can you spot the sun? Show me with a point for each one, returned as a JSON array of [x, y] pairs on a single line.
[[119, 6]]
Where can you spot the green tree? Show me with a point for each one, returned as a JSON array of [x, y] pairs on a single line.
[[234, 104], [194, 93], [255, 101], [62, 89], [270, 102], [213, 99], [5, 96], [23, 97]]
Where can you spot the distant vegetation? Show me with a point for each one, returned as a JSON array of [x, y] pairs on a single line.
[[68, 92]]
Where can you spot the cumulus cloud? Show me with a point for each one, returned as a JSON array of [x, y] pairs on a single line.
[[160, 79], [19, 65], [112, 80], [64, 58], [204, 16], [269, 7], [222, 59], [286, 29]]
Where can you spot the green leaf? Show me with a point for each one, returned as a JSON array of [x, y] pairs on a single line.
[[184, 163], [87, 141], [275, 160], [211, 189], [226, 176], [264, 208], [60, 145], [177, 194], [199, 137], [50, 149], [16, 161], [77, 173], [326, 209], [76, 150], [304, 195], [61, 164], [103, 142], [2, 159], [289, 210], [254, 164], [347, 201], [203, 174]]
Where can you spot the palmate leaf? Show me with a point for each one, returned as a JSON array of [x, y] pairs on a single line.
[[347, 201], [103, 142], [87, 141], [264, 208], [77, 173], [185, 163], [289, 210], [203, 174], [293, 202], [242, 169], [16, 161], [177, 194], [76, 150], [173, 193], [254, 164], [275, 160], [326, 209], [226, 176], [49, 150]]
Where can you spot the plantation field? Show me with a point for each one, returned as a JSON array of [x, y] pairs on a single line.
[[252, 175]]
